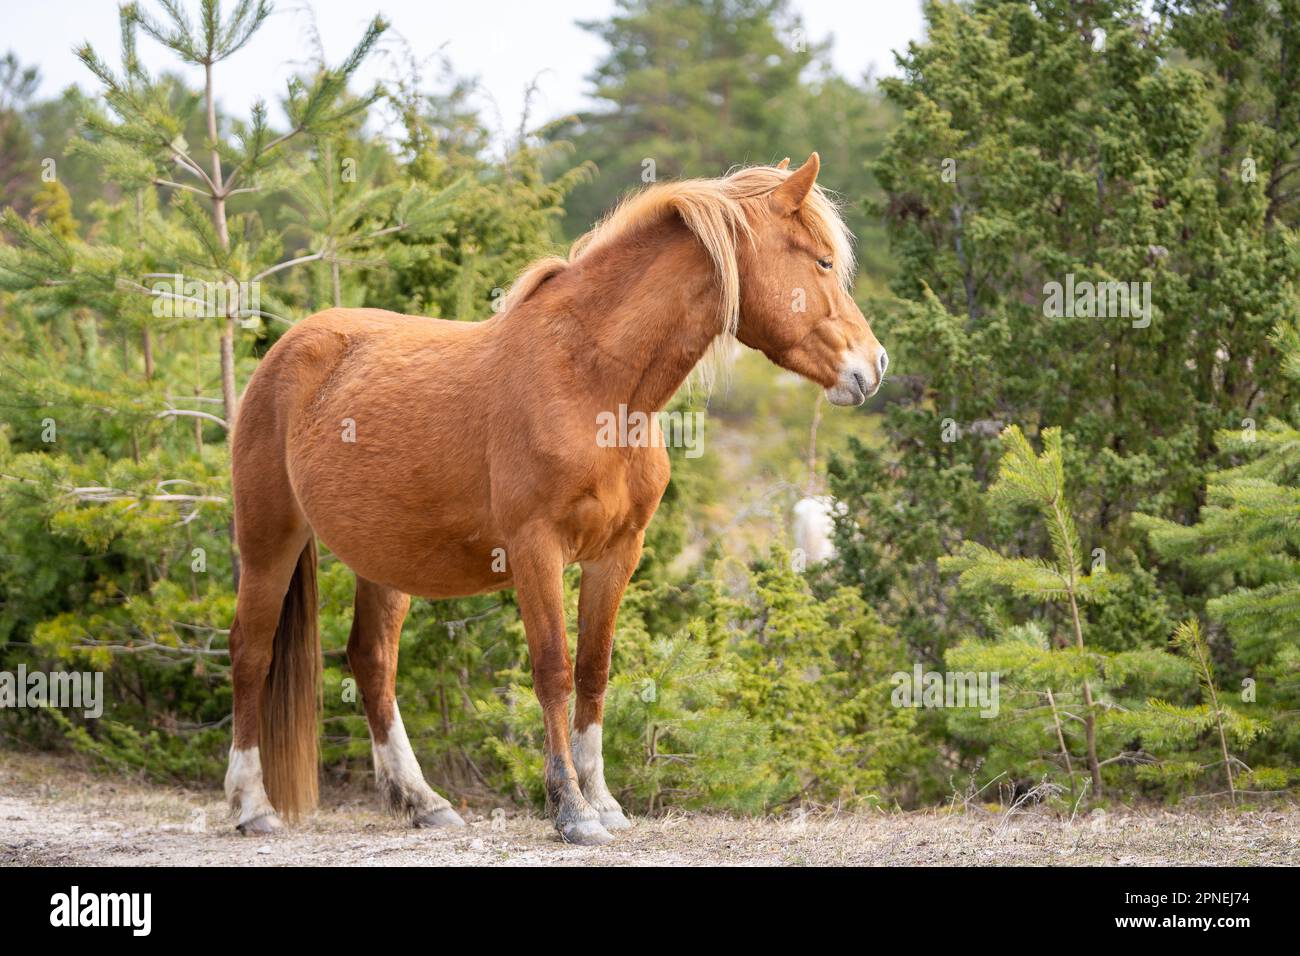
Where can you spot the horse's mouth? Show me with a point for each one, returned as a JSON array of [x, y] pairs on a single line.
[[853, 388]]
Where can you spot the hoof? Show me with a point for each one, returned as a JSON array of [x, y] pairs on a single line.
[[586, 833], [445, 817], [614, 820], [266, 823]]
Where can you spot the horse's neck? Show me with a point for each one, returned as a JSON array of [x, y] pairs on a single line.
[[641, 314]]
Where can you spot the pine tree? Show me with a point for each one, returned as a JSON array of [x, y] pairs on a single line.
[[1245, 548], [814, 667], [17, 159], [1026, 479], [693, 87], [1040, 142], [506, 217], [141, 143], [1120, 698]]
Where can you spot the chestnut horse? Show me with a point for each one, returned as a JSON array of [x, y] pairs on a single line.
[[446, 459]]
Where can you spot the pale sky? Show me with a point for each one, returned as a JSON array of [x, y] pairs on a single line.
[[504, 43]]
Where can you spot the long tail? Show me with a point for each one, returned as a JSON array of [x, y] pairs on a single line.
[[291, 698]]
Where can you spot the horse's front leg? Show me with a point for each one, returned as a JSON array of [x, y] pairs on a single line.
[[539, 584], [603, 583]]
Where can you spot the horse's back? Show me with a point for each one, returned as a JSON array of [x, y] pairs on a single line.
[[372, 425], [379, 322], [315, 349]]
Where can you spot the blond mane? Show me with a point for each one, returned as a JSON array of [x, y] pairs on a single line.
[[720, 212]]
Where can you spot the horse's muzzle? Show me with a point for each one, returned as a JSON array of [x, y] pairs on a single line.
[[859, 379]]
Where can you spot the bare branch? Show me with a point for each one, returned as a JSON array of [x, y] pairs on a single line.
[[193, 189], [288, 263], [172, 412]]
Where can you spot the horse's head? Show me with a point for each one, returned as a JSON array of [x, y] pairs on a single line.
[[795, 306]]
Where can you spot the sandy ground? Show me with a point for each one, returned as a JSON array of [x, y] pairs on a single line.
[[52, 813]]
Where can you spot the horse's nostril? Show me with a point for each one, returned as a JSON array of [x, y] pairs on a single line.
[[883, 363], [862, 382]]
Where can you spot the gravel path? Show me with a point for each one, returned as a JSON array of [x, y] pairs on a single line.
[[53, 813]]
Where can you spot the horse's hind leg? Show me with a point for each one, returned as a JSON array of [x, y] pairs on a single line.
[[372, 655], [268, 567]]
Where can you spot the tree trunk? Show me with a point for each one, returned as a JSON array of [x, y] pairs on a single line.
[[1090, 719], [146, 335], [229, 395], [329, 203], [229, 390], [198, 389], [1060, 738]]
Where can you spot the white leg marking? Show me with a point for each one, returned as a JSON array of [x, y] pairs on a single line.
[[399, 774], [244, 785], [589, 762]]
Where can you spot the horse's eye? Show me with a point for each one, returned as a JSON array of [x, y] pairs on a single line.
[[825, 263]]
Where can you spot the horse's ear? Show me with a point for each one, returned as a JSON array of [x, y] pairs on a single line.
[[789, 196], [784, 164]]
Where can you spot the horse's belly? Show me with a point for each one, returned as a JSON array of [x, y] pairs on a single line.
[[408, 528], [425, 569], [412, 555]]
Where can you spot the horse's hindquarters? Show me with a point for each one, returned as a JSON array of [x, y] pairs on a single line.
[[386, 456]]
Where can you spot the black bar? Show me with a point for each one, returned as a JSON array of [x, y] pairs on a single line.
[[982, 905]]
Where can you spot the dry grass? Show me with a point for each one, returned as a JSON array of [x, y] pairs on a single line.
[[53, 812]]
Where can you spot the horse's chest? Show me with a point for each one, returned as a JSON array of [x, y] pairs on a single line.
[[627, 508], [621, 504]]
